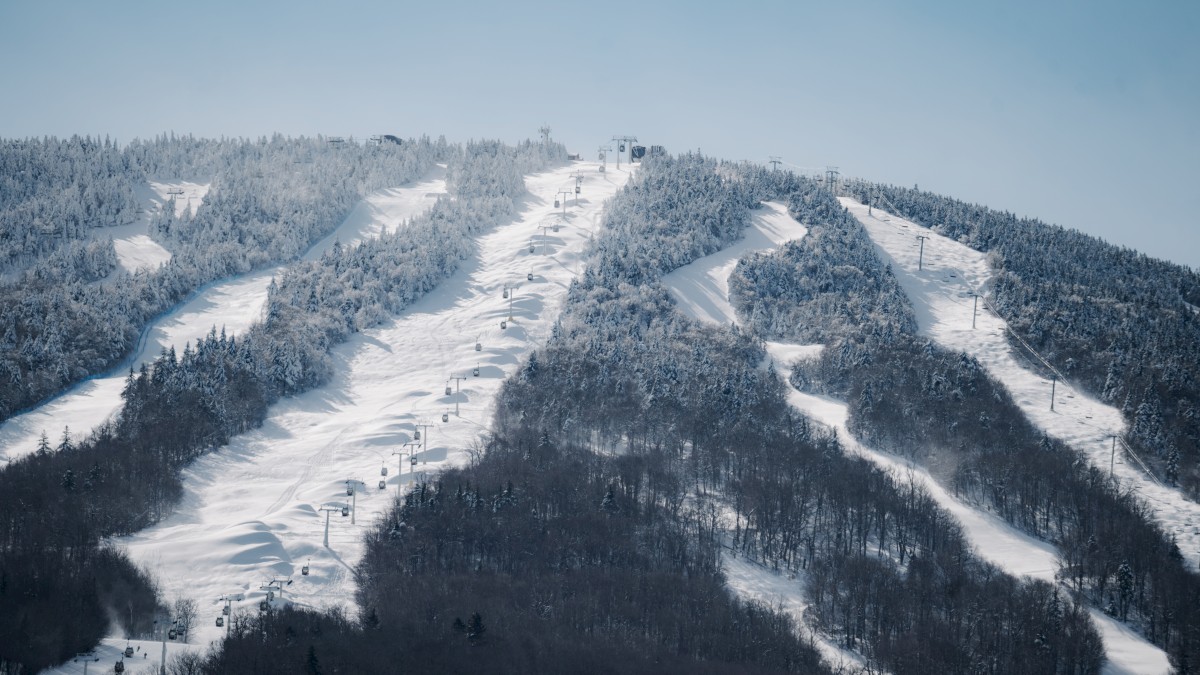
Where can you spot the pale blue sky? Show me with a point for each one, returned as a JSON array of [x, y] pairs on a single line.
[[1080, 113]]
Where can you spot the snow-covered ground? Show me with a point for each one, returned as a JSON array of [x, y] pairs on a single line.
[[135, 249], [232, 303], [702, 290], [991, 537], [146, 659], [251, 512], [702, 287], [941, 292]]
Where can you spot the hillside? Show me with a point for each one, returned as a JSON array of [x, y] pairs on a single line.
[[487, 408]]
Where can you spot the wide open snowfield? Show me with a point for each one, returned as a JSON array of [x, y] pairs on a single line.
[[941, 293], [251, 511], [233, 303]]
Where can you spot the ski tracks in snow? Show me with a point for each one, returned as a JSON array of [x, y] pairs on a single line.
[[251, 510], [942, 291], [702, 291]]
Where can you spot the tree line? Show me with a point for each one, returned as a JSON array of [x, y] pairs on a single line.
[[270, 199], [1119, 323], [59, 503]]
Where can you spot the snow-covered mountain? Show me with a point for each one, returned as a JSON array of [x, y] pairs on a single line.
[[565, 414]]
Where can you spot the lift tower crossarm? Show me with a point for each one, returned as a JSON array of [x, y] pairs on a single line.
[[626, 140]]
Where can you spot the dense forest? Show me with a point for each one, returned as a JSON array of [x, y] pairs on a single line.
[[909, 397], [1119, 323], [67, 312], [629, 455], [626, 453], [58, 504]]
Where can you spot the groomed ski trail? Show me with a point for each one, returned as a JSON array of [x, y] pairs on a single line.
[[703, 294], [941, 293], [232, 303], [251, 511]]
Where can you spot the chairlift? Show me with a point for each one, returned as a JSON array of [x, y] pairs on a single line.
[[270, 595], [601, 168], [449, 390], [128, 651], [383, 470], [417, 435], [383, 485], [345, 511], [412, 460], [475, 371], [119, 667], [505, 297], [556, 203], [576, 189], [531, 247], [263, 606], [225, 610], [445, 418], [220, 621], [171, 633], [304, 570], [349, 490], [478, 347], [529, 276], [556, 226], [503, 324]]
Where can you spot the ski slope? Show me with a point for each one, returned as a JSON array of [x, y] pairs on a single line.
[[991, 537], [233, 303], [135, 249], [703, 294], [146, 659], [701, 288], [941, 293], [251, 512]]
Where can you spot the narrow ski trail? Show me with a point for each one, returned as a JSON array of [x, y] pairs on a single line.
[[702, 290], [251, 512], [232, 303], [942, 294]]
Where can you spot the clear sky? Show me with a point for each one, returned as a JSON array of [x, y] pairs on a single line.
[[1080, 113]]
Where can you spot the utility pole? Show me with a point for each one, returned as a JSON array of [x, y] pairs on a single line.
[[457, 390], [831, 176], [86, 657], [1112, 458], [328, 509], [775, 160], [622, 141], [921, 256], [511, 293], [563, 194], [974, 309], [1053, 383]]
